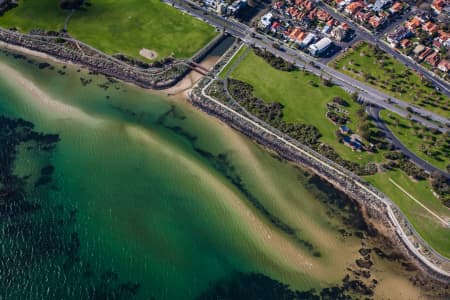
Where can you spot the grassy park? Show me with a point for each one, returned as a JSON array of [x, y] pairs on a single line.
[[369, 64], [118, 26], [430, 146], [304, 98], [425, 224]]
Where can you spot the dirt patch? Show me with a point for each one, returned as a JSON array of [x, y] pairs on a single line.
[[148, 54]]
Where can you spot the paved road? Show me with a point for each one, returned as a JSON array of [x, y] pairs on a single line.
[[376, 39], [304, 61], [374, 112], [390, 206]]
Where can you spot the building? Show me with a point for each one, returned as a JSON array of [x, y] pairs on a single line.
[[425, 53], [266, 20], [439, 5], [433, 59], [380, 5], [339, 33], [444, 66], [430, 27], [396, 8], [397, 35], [308, 40], [414, 23], [376, 22], [405, 43], [320, 47], [353, 8], [418, 49]]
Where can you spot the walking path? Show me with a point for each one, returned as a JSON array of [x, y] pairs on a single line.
[[446, 224]]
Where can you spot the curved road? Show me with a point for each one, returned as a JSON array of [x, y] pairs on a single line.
[[302, 60], [374, 112], [366, 35], [390, 207]]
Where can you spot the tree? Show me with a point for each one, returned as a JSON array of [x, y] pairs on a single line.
[[70, 4]]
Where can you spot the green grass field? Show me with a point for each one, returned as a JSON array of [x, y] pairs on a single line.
[[425, 224], [232, 62], [118, 26], [302, 102], [384, 72], [434, 148]]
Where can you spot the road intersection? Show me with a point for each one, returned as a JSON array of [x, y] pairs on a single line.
[[366, 93]]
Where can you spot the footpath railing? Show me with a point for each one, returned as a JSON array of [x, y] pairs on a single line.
[[376, 203], [68, 49]]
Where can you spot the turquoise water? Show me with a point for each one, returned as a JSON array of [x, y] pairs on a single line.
[[153, 199]]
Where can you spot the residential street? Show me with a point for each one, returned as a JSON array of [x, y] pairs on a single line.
[[376, 39], [303, 61]]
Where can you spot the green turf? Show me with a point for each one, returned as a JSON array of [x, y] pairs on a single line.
[[231, 62], [426, 225], [31, 14], [389, 74], [118, 26], [434, 148], [302, 102]]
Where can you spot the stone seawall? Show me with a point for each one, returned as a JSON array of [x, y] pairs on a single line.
[[379, 212], [70, 50]]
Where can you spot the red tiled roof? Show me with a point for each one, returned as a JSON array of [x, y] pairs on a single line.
[[430, 27], [444, 65], [433, 59]]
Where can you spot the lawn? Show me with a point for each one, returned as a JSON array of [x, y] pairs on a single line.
[[384, 72], [232, 62], [302, 101], [31, 14], [434, 148], [425, 224], [118, 26]]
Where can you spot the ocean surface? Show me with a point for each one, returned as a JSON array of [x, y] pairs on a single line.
[[149, 198]]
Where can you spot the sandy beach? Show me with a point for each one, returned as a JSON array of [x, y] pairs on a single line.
[[42, 100]]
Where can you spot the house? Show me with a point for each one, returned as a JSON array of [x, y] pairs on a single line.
[[362, 17], [376, 22], [308, 40], [433, 59], [437, 44], [405, 43], [338, 33], [444, 66], [266, 20], [397, 35], [380, 4], [276, 26], [353, 7], [297, 36], [278, 5], [430, 27], [444, 38], [439, 5], [294, 34], [322, 15], [331, 22], [396, 8], [320, 47], [425, 53], [414, 23]]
